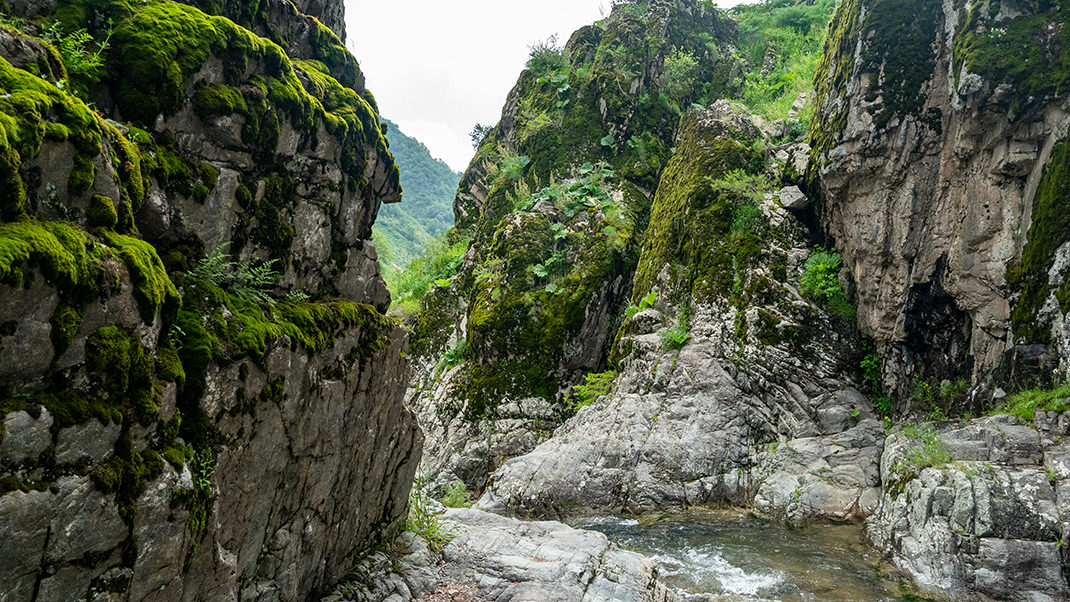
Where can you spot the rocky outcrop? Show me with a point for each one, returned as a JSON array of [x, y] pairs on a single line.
[[200, 396], [978, 509], [937, 141], [757, 405], [554, 205], [497, 558]]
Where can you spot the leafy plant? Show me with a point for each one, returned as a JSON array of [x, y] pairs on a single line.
[[479, 133], [512, 168], [457, 495], [820, 282], [681, 72], [646, 302], [676, 337], [595, 385], [84, 66], [251, 282], [547, 57]]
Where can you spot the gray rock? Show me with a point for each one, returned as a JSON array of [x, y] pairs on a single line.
[[90, 441], [791, 197], [503, 559], [25, 437], [986, 523]]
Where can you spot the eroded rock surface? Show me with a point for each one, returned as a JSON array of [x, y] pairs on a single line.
[[505, 560], [988, 519]]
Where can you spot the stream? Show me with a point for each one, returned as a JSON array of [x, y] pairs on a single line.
[[731, 556]]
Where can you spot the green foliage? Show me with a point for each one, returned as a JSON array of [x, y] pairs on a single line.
[[423, 520], [84, 65], [1026, 404], [1050, 229], [929, 449], [681, 73], [426, 210], [792, 34], [457, 495], [676, 337], [646, 302], [595, 385], [436, 265], [248, 281], [821, 283], [512, 167], [547, 57]]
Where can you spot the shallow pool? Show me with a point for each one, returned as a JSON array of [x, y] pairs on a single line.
[[729, 556]]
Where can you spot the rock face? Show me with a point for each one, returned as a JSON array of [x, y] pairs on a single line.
[[174, 426], [554, 204], [986, 519], [503, 559], [756, 406], [936, 161]]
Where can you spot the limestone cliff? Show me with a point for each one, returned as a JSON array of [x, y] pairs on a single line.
[[939, 154], [201, 396]]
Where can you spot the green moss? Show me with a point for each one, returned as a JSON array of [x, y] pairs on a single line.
[[152, 286], [101, 213], [897, 52], [1030, 52], [218, 99], [1048, 232], [28, 105], [65, 323], [689, 207], [67, 257], [124, 371], [82, 176]]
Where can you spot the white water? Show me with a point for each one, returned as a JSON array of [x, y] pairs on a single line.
[[731, 557]]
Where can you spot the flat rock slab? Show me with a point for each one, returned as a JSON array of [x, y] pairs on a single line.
[[497, 559]]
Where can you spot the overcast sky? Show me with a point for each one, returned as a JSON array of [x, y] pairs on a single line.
[[436, 68]]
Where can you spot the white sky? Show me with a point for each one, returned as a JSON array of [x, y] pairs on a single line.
[[436, 67]]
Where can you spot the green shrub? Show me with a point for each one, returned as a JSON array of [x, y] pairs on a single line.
[[457, 495], [681, 72], [547, 57], [821, 284], [594, 386]]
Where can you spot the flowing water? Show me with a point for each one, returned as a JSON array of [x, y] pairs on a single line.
[[730, 556]]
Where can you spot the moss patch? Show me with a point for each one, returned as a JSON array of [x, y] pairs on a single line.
[[1049, 231]]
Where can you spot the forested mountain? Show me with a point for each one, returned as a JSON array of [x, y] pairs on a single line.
[[428, 186]]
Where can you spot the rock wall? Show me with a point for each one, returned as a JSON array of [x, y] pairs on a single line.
[[756, 405], [937, 140], [554, 204], [978, 509], [200, 398]]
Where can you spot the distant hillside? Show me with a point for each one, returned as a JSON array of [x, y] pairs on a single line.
[[426, 208]]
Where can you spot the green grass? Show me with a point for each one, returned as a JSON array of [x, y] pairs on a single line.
[[438, 263], [1026, 404], [457, 495]]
